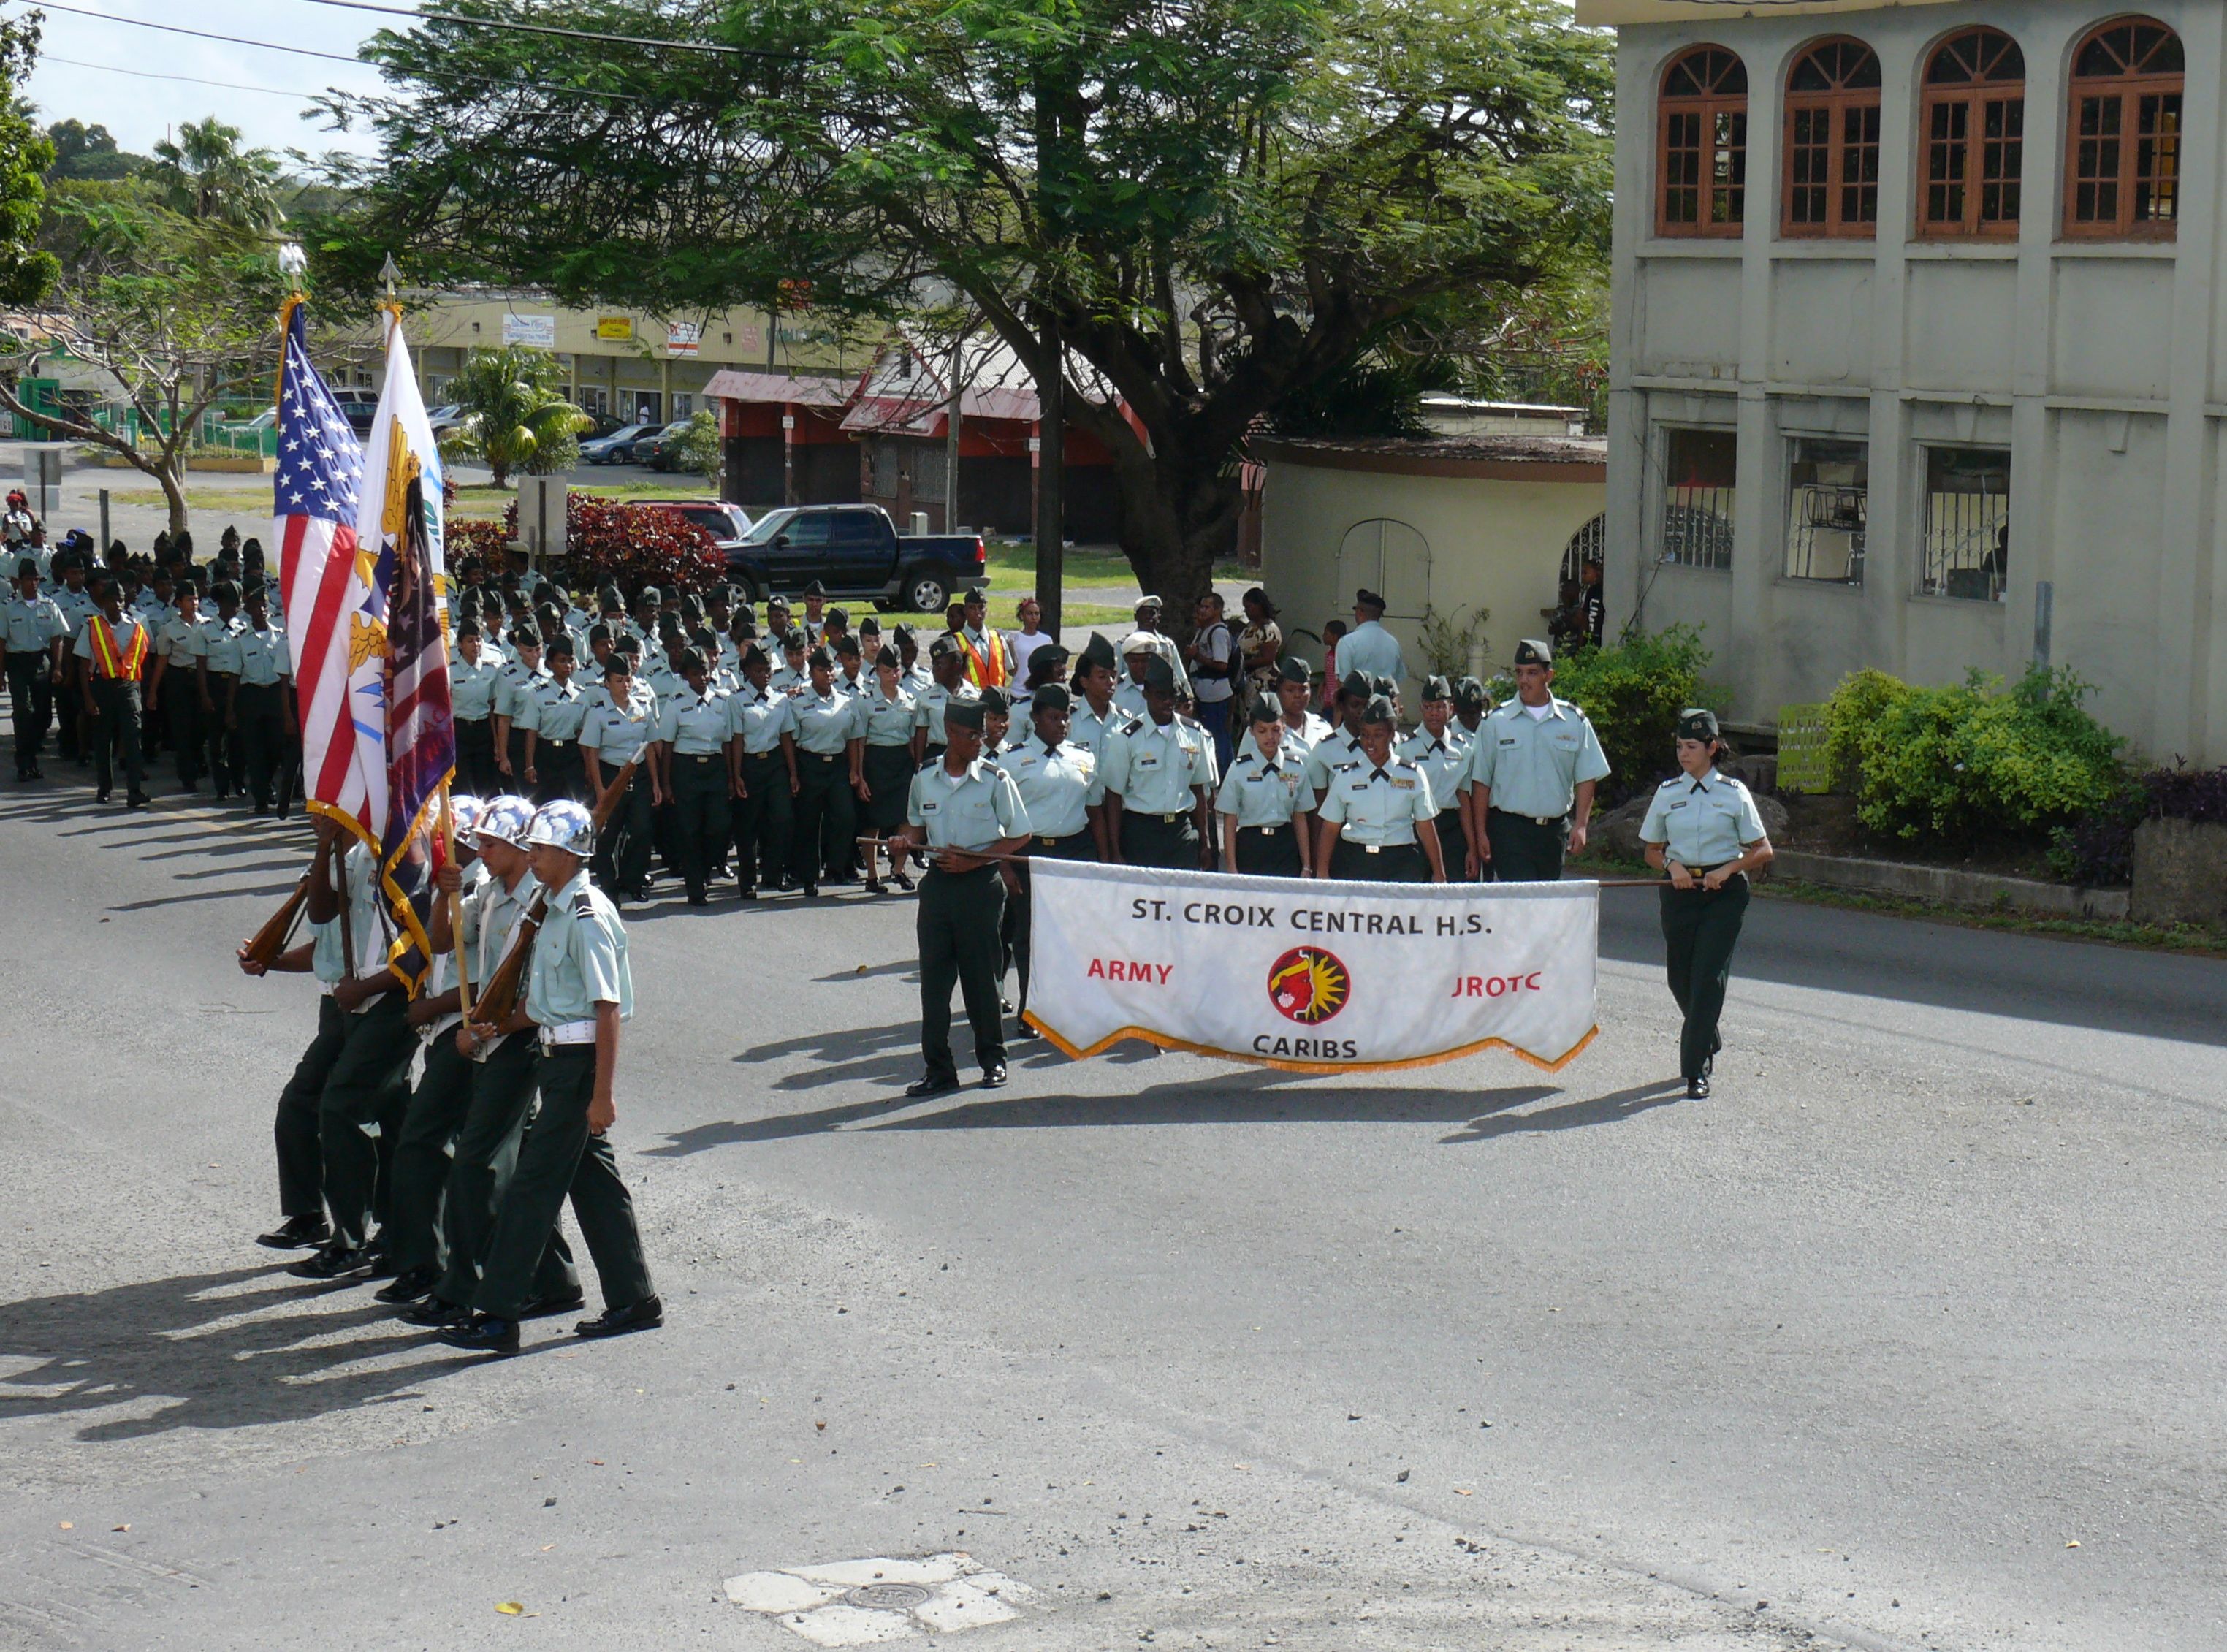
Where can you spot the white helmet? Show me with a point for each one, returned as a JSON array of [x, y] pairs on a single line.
[[505, 819], [464, 812], [563, 825]]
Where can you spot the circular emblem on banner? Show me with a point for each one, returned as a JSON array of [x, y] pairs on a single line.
[[1308, 984]]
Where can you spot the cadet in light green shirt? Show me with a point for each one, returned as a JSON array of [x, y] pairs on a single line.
[[1704, 829], [1531, 776], [1377, 820], [958, 805], [1262, 796], [1160, 777]]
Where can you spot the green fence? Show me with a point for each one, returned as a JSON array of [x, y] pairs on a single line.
[[1802, 762]]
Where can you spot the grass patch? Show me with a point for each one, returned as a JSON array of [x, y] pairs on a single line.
[[216, 500]]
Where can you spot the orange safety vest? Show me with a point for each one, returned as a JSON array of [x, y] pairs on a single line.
[[107, 661], [986, 672]]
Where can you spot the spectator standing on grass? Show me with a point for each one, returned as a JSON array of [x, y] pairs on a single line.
[[1031, 636], [1212, 659]]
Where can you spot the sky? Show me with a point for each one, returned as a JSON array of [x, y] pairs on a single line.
[[140, 108]]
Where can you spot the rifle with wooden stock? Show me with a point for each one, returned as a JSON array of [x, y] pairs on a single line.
[[278, 928], [499, 998]]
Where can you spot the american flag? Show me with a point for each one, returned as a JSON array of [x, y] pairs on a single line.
[[335, 631]]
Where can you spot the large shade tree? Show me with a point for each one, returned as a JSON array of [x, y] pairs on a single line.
[[1176, 213]]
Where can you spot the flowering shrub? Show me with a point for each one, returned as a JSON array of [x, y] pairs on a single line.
[[607, 543]]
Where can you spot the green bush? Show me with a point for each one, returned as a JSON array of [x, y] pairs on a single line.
[[1974, 760], [1633, 690], [1854, 709]]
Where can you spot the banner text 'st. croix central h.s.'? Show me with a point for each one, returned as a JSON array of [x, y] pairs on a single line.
[[1311, 977]]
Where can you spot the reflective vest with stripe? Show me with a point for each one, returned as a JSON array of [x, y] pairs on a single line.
[[108, 661], [986, 666]]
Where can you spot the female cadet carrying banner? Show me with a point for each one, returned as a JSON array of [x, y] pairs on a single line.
[[1703, 828]]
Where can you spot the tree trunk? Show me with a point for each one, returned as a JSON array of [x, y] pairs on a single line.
[[1178, 514], [171, 474]]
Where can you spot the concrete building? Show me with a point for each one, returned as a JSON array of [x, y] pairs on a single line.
[[1442, 528], [637, 368], [1918, 358]]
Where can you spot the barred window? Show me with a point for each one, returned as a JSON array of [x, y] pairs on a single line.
[[1699, 470], [1829, 486], [1967, 523]]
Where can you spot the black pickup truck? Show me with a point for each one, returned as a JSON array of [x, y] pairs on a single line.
[[855, 551]]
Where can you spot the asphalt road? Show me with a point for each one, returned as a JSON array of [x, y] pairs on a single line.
[[1853, 1354]]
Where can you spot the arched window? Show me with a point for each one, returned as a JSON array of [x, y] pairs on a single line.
[[2123, 178], [1832, 141], [1974, 117], [1702, 162]]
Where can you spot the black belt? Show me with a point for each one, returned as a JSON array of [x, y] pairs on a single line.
[[1268, 831], [697, 757], [1378, 848], [821, 757], [1535, 820], [765, 757]]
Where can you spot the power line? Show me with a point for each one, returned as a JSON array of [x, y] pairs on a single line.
[[199, 34], [191, 79], [304, 51], [551, 28]]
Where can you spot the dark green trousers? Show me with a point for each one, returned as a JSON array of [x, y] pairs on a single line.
[[486, 1157], [301, 1160], [702, 817], [1399, 863], [560, 1160], [358, 1116], [1274, 853], [557, 765], [31, 701], [825, 816], [1523, 851], [436, 1112], [182, 706], [117, 735], [959, 924], [621, 863], [1699, 932], [763, 819], [475, 755], [1148, 840], [261, 709], [889, 778]]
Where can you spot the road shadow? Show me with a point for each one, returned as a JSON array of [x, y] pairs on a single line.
[[1611, 1109], [203, 1350]]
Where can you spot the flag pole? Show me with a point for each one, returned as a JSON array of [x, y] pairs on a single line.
[[455, 910]]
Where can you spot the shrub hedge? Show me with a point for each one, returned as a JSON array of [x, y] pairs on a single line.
[[607, 543]]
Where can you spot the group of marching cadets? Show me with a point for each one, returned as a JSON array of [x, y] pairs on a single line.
[[450, 1186], [129, 658]]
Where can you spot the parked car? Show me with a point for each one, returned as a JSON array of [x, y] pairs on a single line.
[[618, 447], [603, 424], [726, 523], [657, 451], [445, 419], [855, 551]]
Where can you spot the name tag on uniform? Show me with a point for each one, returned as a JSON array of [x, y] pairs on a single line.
[[1679, 804], [1360, 785], [1507, 739], [1148, 762], [928, 808]]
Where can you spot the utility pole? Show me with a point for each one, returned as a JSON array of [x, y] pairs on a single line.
[[1051, 369], [951, 439]]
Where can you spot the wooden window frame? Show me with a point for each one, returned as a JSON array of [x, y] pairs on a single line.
[[1706, 110], [1971, 99], [2124, 96], [1838, 110]]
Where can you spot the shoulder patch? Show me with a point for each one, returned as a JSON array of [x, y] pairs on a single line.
[[584, 905], [1133, 725]]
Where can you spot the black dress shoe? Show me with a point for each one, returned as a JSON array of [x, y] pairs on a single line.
[[1005, 1004], [901, 881], [875, 886], [812, 892], [101, 796], [481, 1335], [1697, 1087], [934, 1084], [410, 1286], [435, 1312], [137, 801], [1023, 1030], [993, 1076], [746, 895], [542, 1307], [645, 1315], [334, 1261], [298, 1232]]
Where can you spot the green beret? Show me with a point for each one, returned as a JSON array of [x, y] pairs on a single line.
[[1160, 675], [1293, 669], [1357, 685], [1267, 711], [1052, 697], [1436, 688], [964, 714], [1469, 693], [1379, 710], [888, 657], [995, 701], [1532, 652], [1697, 722]]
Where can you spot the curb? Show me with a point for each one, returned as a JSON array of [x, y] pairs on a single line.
[[1987, 891]]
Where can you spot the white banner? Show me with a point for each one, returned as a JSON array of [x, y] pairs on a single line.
[[539, 332], [1310, 976]]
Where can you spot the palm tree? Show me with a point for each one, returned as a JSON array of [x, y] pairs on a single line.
[[205, 173], [512, 414]]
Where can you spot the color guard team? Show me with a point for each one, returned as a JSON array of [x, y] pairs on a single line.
[[807, 756]]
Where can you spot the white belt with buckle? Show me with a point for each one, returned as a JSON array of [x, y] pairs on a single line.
[[570, 1032]]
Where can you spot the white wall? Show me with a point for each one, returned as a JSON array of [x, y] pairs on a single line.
[[2102, 367]]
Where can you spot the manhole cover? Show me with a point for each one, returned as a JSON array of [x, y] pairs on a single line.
[[887, 1597]]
